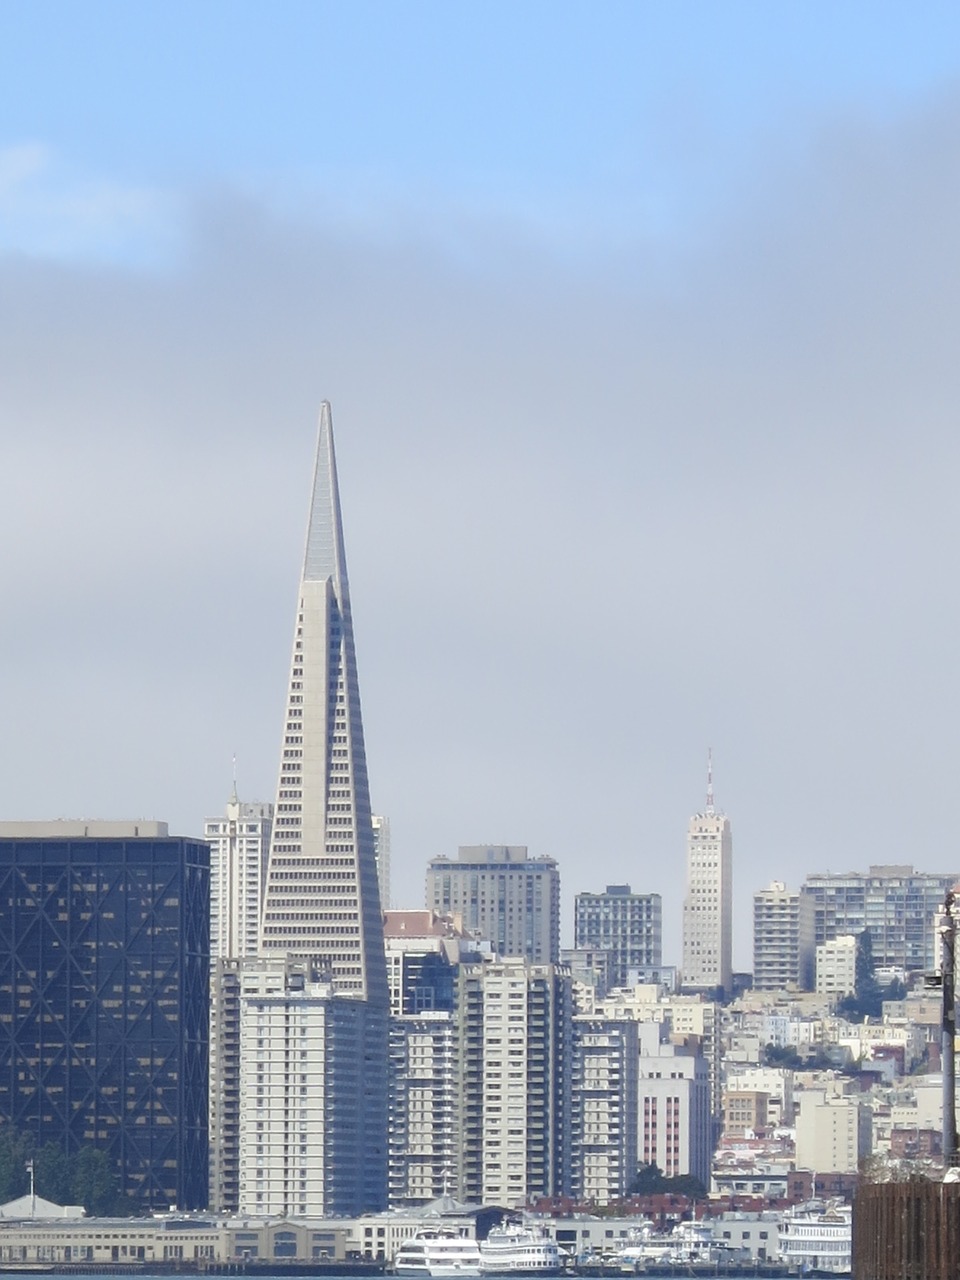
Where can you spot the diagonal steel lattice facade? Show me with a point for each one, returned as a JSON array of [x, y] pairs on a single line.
[[104, 962]]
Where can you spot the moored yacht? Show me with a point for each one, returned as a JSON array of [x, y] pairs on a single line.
[[437, 1253], [513, 1249]]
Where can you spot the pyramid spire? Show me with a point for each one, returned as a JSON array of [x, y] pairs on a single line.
[[324, 556], [321, 899]]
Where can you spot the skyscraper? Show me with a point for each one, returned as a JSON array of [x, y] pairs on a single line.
[[321, 907], [424, 954], [239, 840], [603, 1107], [505, 897], [708, 906], [321, 897], [626, 924], [305, 1111], [515, 1043], [896, 905], [783, 946], [104, 965]]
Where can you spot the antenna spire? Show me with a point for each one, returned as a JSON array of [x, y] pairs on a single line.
[[709, 780]]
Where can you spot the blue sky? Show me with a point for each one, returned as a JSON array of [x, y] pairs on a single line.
[[638, 118], [640, 325]]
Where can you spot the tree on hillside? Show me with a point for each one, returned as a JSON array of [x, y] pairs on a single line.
[[868, 997], [650, 1181]]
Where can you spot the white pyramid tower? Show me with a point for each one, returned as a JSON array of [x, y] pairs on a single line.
[[321, 898]]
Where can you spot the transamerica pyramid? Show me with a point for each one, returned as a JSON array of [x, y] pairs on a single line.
[[321, 900]]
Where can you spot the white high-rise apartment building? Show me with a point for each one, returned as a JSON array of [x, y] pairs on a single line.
[[603, 1131], [424, 1107], [515, 1028], [301, 1106], [321, 909], [239, 842], [708, 906], [381, 852], [783, 939]]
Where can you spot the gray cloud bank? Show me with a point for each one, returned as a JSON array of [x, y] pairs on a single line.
[[601, 512]]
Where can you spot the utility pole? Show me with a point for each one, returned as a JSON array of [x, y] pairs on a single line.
[[948, 938]]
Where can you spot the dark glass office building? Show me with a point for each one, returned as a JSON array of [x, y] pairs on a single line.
[[104, 979]]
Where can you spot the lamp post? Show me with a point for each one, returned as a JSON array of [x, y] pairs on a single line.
[[948, 939]]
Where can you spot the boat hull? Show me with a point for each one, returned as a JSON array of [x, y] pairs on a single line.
[[440, 1270]]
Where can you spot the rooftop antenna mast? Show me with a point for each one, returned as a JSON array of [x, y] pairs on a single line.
[[710, 808]]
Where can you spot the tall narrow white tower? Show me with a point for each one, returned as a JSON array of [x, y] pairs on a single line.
[[313, 1117], [708, 906], [321, 898], [239, 841]]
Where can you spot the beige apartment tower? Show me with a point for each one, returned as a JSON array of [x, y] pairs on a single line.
[[783, 939]]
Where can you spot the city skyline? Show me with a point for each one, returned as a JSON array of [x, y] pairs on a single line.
[[683, 337]]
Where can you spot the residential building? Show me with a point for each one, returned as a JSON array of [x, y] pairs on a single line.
[[708, 907], [744, 1113], [833, 1131], [627, 925], [239, 842], [603, 1109], [381, 853], [104, 981], [514, 1028], [689, 1021], [895, 905], [503, 896], [303, 1096], [837, 967], [776, 1083], [424, 1099], [423, 950], [590, 972], [225, 1059], [783, 939]]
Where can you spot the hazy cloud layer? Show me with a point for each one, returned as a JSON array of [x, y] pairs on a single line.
[[602, 510]]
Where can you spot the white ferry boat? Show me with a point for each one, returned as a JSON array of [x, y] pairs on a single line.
[[437, 1253], [818, 1241], [517, 1250]]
